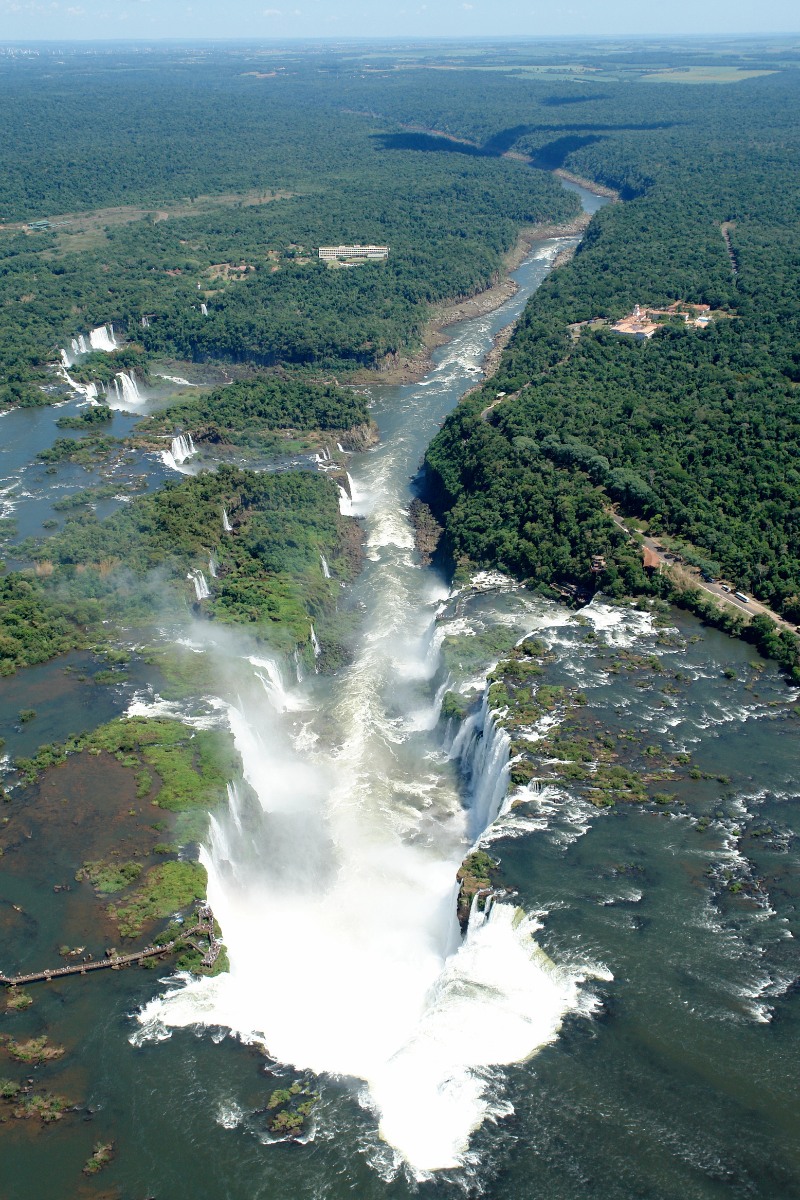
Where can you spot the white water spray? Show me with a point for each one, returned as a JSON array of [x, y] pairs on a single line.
[[129, 388], [326, 571], [226, 525]]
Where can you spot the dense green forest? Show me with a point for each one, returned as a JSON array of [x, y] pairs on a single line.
[[248, 412], [327, 179], [139, 565]]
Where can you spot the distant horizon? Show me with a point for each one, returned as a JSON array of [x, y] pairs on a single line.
[[329, 21], [421, 39]]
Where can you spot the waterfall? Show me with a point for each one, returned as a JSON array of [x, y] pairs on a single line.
[[271, 679], [65, 359], [212, 566], [181, 448], [297, 667], [344, 877], [350, 500], [145, 323], [315, 644], [127, 389], [235, 805], [102, 339], [340, 447], [326, 571], [87, 390], [200, 586], [226, 525], [204, 310], [482, 749], [82, 347]]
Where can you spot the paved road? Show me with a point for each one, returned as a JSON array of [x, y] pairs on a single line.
[[754, 607]]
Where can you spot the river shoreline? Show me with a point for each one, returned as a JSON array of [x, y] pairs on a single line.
[[400, 370]]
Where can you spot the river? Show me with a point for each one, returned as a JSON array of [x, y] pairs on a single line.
[[620, 1024]]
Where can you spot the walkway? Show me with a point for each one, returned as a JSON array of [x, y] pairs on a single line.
[[205, 924]]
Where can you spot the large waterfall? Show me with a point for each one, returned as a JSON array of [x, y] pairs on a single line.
[[101, 338], [181, 448], [333, 872], [340, 873]]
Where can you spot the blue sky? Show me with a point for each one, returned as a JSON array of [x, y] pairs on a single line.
[[281, 19]]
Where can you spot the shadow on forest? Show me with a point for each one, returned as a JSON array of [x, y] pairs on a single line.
[[550, 156]]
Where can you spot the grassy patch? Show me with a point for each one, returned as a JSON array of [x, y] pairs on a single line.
[[167, 888]]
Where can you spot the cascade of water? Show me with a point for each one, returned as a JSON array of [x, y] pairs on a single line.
[[350, 500], [200, 586], [315, 644], [182, 447], [273, 684], [145, 323], [235, 804], [483, 752], [204, 310], [75, 347], [226, 525], [130, 388], [212, 566], [297, 667], [82, 347], [87, 390], [116, 387], [340, 448], [325, 568], [103, 339]]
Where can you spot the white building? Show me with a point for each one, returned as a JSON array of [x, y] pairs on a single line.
[[353, 252]]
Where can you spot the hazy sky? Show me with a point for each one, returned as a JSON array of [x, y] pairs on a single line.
[[99, 19]]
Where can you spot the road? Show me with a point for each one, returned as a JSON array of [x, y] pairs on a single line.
[[753, 607]]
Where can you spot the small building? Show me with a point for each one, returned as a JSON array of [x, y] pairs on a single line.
[[334, 252], [636, 325]]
